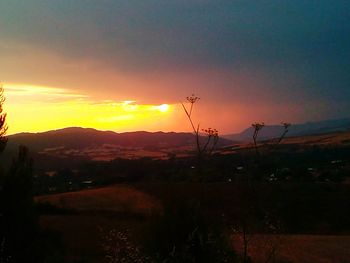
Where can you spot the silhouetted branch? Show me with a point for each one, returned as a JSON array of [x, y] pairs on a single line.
[[257, 127], [193, 99], [286, 125], [212, 134]]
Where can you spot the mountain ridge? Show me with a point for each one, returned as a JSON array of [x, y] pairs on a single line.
[[77, 137], [299, 129]]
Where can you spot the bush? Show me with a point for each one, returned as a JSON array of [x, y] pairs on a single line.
[[184, 234]]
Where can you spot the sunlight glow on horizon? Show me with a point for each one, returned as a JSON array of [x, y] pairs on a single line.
[[32, 108], [163, 107]]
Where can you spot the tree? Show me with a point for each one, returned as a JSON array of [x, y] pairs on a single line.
[[3, 126], [19, 223], [20, 236]]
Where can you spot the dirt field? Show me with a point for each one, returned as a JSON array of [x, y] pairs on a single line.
[[337, 138], [115, 199]]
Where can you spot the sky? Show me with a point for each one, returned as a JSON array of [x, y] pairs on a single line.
[[128, 65]]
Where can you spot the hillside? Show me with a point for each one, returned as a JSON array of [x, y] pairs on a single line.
[[76, 138], [89, 144]]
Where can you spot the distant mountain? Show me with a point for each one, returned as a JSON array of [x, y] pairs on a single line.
[[76, 137], [74, 144], [308, 128]]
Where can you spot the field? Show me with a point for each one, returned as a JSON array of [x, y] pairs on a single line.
[[336, 138], [129, 207], [301, 248], [121, 199]]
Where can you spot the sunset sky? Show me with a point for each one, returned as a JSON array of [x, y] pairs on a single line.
[[126, 65]]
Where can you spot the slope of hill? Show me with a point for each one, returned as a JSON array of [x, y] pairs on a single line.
[[76, 137], [308, 128], [82, 143]]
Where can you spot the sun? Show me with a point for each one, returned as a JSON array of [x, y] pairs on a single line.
[[163, 107]]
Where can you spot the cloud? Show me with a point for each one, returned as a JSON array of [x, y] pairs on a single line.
[[135, 35], [22, 89], [40, 93]]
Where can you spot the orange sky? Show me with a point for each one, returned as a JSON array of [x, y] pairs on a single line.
[[37, 108], [110, 64], [32, 108], [52, 92]]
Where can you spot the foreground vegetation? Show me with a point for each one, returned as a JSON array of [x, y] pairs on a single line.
[[234, 206], [311, 225]]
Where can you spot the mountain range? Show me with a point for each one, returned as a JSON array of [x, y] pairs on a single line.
[[76, 144], [309, 128], [76, 138]]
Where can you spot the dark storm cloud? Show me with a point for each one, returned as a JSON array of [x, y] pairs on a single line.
[[298, 44]]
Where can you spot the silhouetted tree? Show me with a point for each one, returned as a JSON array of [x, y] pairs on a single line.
[[3, 140], [3, 126], [20, 238], [19, 223]]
